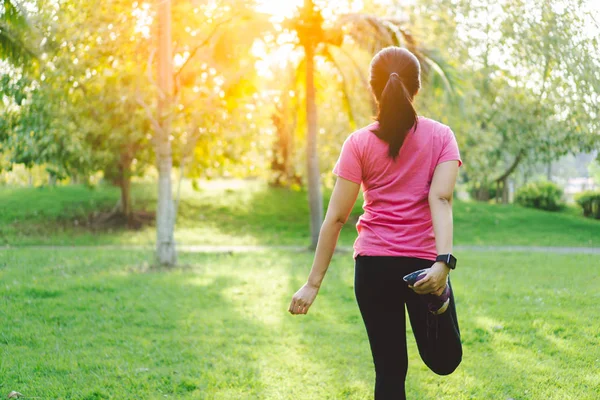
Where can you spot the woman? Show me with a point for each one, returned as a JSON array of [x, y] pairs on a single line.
[[407, 166]]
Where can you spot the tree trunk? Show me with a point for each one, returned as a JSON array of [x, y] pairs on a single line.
[[315, 199], [483, 193], [502, 180], [549, 171], [125, 185], [165, 243], [505, 192], [498, 188]]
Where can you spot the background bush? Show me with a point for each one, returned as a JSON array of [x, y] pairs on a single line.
[[541, 195], [482, 191], [590, 202]]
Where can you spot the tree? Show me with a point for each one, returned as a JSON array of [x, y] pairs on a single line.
[[173, 87], [79, 112], [165, 218], [531, 84]]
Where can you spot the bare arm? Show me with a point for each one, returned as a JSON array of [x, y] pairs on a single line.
[[342, 200], [440, 204]]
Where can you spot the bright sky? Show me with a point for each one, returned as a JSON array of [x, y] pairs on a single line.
[[281, 9]]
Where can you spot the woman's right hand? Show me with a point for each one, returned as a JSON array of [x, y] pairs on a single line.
[[303, 299], [435, 281]]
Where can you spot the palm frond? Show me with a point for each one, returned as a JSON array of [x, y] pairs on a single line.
[[346, 97], [443, 72], [359, 73], [373, 34], [429, 59], [402, 36], [366, 30]]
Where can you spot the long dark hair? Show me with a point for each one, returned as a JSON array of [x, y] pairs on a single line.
[[395, 80]]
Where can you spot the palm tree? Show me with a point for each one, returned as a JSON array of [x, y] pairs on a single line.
[[13, 25], [372, 34]]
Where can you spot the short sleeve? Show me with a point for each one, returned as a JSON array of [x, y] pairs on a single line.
[[450, 150], [348, 165]]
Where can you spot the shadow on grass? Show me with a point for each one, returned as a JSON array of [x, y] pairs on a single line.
[[87, 327], [89, 324]]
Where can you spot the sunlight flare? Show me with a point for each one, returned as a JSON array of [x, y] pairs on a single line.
[[280, 9]]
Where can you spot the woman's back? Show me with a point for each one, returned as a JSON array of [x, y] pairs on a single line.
[[397, 218]]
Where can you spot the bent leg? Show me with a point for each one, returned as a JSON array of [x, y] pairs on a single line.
[[437, 336]]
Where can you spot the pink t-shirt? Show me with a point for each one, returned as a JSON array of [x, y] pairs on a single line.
[[396, 219]]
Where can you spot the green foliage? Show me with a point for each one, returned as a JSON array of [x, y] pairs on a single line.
[[90, 105], [541, 195], [79, 113], [14, 29], [220, 110], [594, 170], [590, 203], [482, 191], [528, 80], [88, 324]]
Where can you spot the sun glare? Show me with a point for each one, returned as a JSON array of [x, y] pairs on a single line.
[[278, 51], [280, 9]]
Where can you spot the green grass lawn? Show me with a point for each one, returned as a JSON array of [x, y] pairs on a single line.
[[87, 324], [248, 213]]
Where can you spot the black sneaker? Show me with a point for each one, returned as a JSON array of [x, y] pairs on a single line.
[[436, 304]]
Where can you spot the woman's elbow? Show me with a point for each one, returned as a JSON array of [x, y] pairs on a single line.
[[440, 198], [336, 221]]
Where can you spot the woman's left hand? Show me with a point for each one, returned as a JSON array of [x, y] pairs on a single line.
[[435, 281]]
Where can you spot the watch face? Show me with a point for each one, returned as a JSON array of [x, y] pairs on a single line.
[[452, 261], [449, 259]]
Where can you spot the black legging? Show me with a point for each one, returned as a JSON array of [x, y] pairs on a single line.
[[381, 294]]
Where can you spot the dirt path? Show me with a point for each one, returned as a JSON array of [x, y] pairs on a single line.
[[341, 249]]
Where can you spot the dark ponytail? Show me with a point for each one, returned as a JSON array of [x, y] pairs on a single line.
[[395, 79], [397, 116]]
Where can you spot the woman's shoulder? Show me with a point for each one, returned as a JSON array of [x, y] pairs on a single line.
[[365, 131], [433, 125]]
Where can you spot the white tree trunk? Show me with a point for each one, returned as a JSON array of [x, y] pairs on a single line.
[[165, 242]]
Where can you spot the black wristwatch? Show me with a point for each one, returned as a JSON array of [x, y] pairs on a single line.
[[448, 259]]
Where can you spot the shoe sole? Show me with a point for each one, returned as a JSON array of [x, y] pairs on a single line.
[[443, 308]]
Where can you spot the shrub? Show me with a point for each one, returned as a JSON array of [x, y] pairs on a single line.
[[590, 202], [541, 195], [482, 191]]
